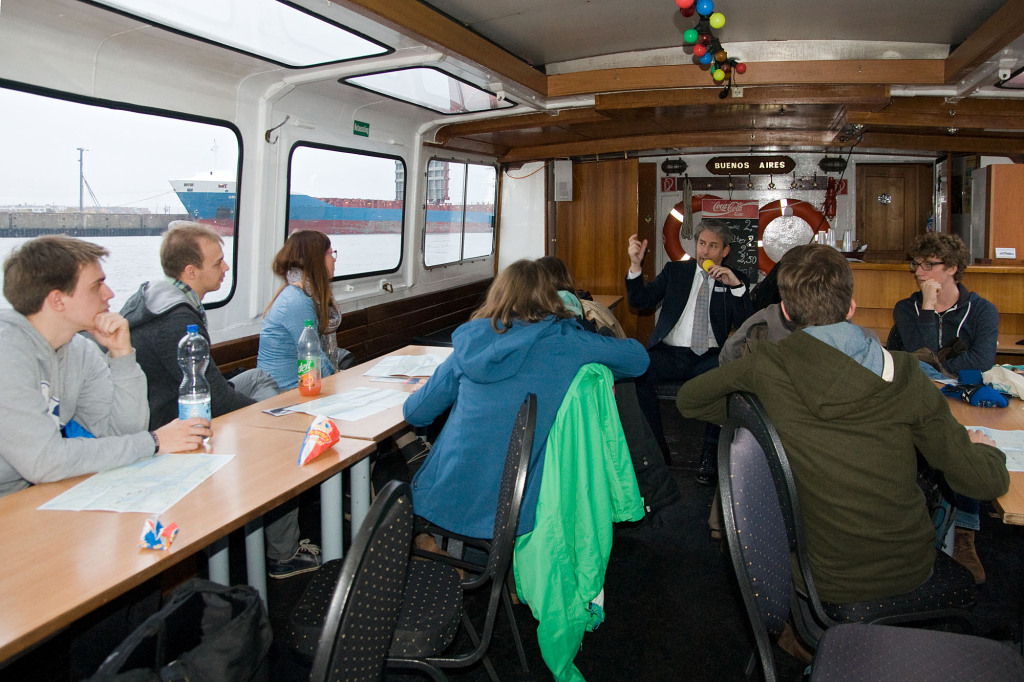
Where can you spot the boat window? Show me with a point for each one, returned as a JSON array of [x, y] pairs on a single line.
[[432, 89], [355, 198], [460, 212], [116, 177], [280, 32]]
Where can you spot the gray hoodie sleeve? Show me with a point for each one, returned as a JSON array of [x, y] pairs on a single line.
[[109, 401]]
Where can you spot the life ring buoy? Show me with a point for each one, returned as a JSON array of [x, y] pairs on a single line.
[[773, 210], [670, 231]]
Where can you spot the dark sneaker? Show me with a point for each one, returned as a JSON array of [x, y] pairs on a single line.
[[706, 470], [305, 559]]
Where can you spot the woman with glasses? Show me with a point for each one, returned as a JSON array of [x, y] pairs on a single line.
[[961, 328], [306, 264]]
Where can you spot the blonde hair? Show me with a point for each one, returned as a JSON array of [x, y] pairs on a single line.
[[522, 291]]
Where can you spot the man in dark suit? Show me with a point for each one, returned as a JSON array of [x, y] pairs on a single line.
[[701, 302]]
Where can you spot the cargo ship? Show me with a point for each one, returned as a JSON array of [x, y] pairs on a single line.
[[212, 200]]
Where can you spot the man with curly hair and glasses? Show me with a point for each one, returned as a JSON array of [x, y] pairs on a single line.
[[959, 326]]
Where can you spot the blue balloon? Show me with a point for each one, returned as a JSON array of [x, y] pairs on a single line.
[[707, 58], [705, 7]]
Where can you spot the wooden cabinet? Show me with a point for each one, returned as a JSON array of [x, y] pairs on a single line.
[[893, 204], [1003, 210]]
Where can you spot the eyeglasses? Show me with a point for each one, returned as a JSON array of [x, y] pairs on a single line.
[[925, 265], [334, 254]]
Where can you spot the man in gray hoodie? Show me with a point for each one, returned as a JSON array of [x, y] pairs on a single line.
[[66, 408]]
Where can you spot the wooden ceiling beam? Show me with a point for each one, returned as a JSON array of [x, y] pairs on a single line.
[[984, 106], [435, 28], [863, 95], [936, 120], [719, 140], [838, 72], [998, 31], [526, 121], [940, 143]]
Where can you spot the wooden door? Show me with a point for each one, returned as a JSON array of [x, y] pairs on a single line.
[[592, 231], [893, 204]]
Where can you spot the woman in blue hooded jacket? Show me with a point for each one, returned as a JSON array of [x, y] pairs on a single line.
[[521, 340]]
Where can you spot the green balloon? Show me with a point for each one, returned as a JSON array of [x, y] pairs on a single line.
[[690, 35], [717, 20]]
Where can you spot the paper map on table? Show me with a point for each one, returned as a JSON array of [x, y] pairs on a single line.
[[1010, 442], [352, 405], [406, 366], [151, 486]]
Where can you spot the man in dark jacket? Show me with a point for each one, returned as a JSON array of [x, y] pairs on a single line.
[[852, 417], [701, 302], [192, 258]]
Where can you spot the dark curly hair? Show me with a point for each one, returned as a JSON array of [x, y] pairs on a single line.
[[948, 248]]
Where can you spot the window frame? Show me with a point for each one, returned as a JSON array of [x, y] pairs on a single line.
[[347, 81], [165, 113], [388, 50], [494, 218], [357, 152]]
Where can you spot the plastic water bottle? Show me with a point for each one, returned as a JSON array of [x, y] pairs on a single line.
[[309, 360], [194, 392]]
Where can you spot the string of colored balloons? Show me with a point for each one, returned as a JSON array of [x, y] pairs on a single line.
[[706, 46]]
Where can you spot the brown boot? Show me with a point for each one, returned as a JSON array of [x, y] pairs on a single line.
[[791, 644], [965, 554]]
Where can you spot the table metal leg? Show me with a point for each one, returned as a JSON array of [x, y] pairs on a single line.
[[220, 570], [331, 532], [255, 557], [359, 480]]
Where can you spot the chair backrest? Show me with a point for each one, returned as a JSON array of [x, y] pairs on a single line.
[[746, 410], [756, 534], [510, 495], [365, 605]]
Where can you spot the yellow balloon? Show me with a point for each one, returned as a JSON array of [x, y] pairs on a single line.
[[718, 75], [717, 20]]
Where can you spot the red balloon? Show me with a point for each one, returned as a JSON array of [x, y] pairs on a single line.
[[683, 4], [699, 50], [705, 38], [688, 11], [741, 68], [727, 68]]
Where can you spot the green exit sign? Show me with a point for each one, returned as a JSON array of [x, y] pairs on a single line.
[[360, 128]]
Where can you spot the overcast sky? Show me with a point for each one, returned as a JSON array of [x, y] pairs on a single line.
[[132, 157]]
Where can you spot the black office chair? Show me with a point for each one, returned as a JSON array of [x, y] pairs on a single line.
[[416, 646], [759, 547], [947, 595], [360, 611]]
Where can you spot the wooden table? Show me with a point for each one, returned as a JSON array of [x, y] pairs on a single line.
[[375, 428], [607, 300], [92, 557], [1009, 418]]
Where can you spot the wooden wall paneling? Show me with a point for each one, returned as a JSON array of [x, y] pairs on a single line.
[[372, 332], [592, 231], [647, 228]]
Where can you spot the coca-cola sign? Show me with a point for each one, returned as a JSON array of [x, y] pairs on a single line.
[[750, 165], [729, 208]]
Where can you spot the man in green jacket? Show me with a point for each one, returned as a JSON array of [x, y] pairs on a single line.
[[850, 415]]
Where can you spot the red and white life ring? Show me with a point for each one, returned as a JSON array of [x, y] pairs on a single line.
[[670, 231], [773, 210], [766, 214]]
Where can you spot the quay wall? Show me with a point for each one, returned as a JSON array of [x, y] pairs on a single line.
[[23, 224]]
